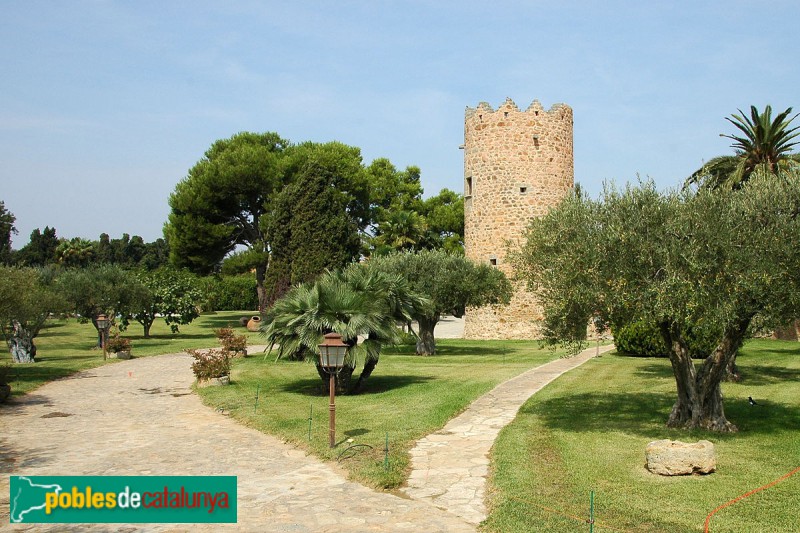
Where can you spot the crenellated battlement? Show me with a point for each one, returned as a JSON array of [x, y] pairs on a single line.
[[517, 164], [558, 110]]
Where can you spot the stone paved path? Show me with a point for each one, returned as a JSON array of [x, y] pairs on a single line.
[[139, 417], [449, 467]]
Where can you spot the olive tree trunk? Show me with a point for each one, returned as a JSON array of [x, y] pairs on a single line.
[[699, 403], [20, 344], [732, 371], [426, 342]]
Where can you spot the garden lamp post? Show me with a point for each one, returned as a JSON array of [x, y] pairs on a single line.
[[102, 326], [331, 359]]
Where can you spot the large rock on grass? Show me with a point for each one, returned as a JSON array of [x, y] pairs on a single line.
[[675, 458]]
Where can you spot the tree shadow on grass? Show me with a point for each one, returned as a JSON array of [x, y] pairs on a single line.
[[644, 413], [374, 385], [756, 375], [476, 349], [169, 337], [752, 374], [656, 369], [47, 334], [381, 384], [469, 349], [223, 321]]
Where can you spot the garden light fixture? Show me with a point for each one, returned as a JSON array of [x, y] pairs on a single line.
[[102, 325], [331, 359]]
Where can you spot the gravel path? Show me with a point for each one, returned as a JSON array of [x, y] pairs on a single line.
[[139, 417]]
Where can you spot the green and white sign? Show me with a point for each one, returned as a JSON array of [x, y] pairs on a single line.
[[122, 499]]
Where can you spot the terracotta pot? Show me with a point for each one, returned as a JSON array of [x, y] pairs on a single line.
[[254, 323]]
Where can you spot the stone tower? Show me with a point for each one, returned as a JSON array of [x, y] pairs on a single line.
[[517, 164]]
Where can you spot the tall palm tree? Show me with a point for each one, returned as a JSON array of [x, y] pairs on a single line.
[[352, 303], [763, 145]]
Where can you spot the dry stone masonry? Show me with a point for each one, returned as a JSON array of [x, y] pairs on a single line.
[[517, 164]]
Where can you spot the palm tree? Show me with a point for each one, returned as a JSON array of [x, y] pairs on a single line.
[[763, 145], [402, 230], [352, 303]]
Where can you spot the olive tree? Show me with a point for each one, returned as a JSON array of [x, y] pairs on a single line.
[[718, 258], [100, 289], [27, 298], [450, 282]]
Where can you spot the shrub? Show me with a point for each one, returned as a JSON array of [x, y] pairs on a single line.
[[209, 364], [230, 341], [229, 293], [405, 338], [238, 292], [643, 339], [118, 343], [640, 338]]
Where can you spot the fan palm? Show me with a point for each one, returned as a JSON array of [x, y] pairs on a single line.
[[763, 145], [354, 303], [402, 230]]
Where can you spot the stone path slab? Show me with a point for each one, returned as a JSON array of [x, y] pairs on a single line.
[[449, 466], [139, 417]]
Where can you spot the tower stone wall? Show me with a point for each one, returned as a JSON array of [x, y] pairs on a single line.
[[517, 164]]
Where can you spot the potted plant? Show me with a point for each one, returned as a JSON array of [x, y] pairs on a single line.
[[121, 346], [211, 367], [5, 385]]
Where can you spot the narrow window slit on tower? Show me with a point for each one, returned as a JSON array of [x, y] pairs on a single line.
[[469, 186], [523, 190], [493, 261]]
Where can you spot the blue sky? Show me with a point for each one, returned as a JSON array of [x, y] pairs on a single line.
[[105, 105]]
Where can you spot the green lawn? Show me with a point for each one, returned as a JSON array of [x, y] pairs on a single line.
[[587, 431], [406, 398], [67, 346]]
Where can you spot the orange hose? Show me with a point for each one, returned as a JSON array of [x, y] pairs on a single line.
[[746, 494]]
